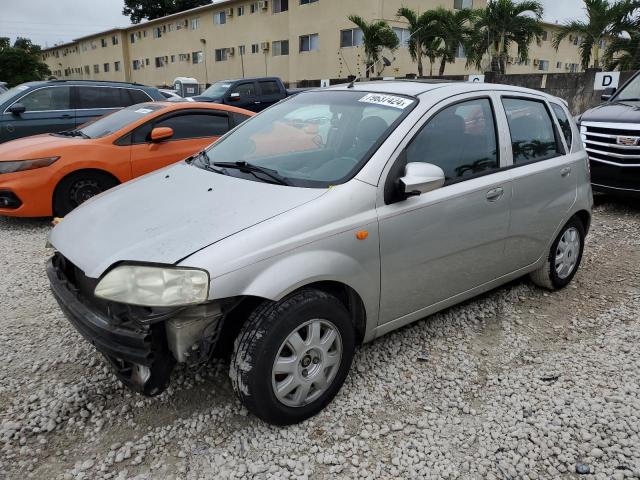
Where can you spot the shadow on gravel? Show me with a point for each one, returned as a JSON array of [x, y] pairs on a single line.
[[627, 205], [15, 223]]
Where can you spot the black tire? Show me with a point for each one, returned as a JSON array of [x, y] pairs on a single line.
[[260, 340], [547, 275], [78, 187]]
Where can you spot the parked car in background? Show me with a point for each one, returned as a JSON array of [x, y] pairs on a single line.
[[611, 133], [414, 197], [170, 94], [254, 94], [51, 174], [52, 106]]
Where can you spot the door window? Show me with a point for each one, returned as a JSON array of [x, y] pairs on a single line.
[[269, 87], [532, 134], [565, 124], [53, 98], [461, 139], [102, 97], [245, 90], [190, 125]]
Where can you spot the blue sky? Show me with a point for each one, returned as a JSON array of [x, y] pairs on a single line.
[[53, 21]]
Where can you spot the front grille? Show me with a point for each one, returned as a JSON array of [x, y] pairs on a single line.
[[602, 144]]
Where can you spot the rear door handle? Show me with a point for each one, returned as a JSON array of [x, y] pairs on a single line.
[[565, 171], [66, 117], [495, 194]]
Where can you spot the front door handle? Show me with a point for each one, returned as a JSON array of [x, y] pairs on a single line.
[[565, 171], [495, 194], [66, 117]]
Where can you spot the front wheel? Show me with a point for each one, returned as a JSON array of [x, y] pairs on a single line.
[[564, 257], [77, 188], [292, 357]]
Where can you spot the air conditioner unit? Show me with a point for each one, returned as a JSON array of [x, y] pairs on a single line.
[[231, 51], [229, 12], [536, 62], [263, 4], [264, 46]]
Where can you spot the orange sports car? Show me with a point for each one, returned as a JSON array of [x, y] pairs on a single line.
[[51, 174]]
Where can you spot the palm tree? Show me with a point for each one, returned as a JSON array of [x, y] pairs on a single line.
[[454, 28], [623, 53], [433, 49], [416, 41], [376, 35], [603, 20], [502, 24]]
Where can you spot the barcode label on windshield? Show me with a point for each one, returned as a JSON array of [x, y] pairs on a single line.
[[387, 100]]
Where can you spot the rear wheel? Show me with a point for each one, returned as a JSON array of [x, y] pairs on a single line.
[[564, 257], [79, 187], [292, 357]]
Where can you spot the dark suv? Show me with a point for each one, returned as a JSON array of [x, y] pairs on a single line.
[[56, 105]]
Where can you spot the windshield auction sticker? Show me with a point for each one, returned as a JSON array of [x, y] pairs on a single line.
[[144, 111], [387, 100]]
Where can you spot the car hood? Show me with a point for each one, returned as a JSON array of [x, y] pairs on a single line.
[[37, 146], [168, 215], [614, 112], [202, 98]]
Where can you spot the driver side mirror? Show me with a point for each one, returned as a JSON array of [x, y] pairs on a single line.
[[608, 93], [17, 108], [421, 178], [160, 134], [234, 97]]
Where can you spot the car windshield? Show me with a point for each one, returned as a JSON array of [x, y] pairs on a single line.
[[115, 121], [631, 92], [12, 92], [315, 139], [217, 90]]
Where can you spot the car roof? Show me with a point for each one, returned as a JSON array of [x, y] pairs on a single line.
[[416, 88], [114, 83]]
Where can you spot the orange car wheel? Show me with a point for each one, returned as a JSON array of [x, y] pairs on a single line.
[[78, 187]]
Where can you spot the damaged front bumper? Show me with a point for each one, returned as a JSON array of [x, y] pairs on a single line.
[[141, 344]]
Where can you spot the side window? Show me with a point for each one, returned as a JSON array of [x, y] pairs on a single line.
[[186, 126], [565, 124], [102, 97], [245, 90], [461, 139], [532, 134], [53, 98], [238, 118], [138, 96], [269, 87]]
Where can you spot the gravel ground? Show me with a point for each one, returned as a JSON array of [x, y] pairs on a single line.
[[519, 383]]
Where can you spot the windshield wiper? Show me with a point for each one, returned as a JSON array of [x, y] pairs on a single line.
[[206, 163], [74, 133], [251, 168]]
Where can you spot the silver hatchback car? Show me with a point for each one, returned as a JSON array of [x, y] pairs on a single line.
[[329, 219]]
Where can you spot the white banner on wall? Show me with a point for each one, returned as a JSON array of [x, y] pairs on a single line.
[[606, 80]]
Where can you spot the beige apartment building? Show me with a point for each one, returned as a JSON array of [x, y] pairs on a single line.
[[293, 39]]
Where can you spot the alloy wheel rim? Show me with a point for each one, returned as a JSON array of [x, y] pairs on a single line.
[[307, 363], [83, 190], [567, 253]]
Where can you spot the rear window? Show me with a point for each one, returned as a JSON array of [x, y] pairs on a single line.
[[269, 87], [565, 124], [112, 123], [103, 97], [138, 96]]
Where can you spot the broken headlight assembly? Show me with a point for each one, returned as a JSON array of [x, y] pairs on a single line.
[[154, 286]]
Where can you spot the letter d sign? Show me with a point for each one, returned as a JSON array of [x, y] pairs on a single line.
[[606, 80]]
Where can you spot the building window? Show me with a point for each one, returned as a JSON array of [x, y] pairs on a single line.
[[159, 62], [253, 8], [255, 48], [559, 65], [221, 54], [106, 67], [280, 47], [307, 2], [136, 64], [241, 49], [220, 18], [173, 59], [545, 36], [461, 52], [132, 38], [241, 11], [196, 57], [87, 70], [103, 42], [171, 27], [184, 57], [144, 34], [543, 65], [403, 36], [309, 43], [460, 4], [351, 37], [96, 69], [195, 23], [116, 66], [280, 6], [576, 40], [146, 62], [115, 40], [157, 32]]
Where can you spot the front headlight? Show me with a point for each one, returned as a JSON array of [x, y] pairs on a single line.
[[151, 286], [21, 165]]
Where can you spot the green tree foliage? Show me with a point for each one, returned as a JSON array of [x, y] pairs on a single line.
[[623, 53], [21, 62], [604, 20], [455, 28], [138, 10], [376, 35]]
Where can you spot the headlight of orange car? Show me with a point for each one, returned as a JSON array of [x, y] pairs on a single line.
[[22, 165]]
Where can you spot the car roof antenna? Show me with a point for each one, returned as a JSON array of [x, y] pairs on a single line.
[[386, 62]]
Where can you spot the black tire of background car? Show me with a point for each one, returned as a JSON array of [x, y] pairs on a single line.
[[258, 343], [62, 201], [546, 276]]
